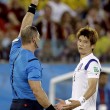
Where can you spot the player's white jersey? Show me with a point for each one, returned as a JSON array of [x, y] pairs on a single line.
[[88, 67]]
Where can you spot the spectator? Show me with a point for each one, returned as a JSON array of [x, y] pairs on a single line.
[[66, 25], [103, 99], [96, 16], [76, 5], [5, 44], [92, 16], [65, 30], [16, 13], [102, 48], [58, 8], [3, 17], [47, 30], [95, 3], [106, 20], [1, 37]]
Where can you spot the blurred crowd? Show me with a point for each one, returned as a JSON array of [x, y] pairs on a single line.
[[57, 22], [103, 96]]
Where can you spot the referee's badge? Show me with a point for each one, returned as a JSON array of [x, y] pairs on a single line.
[[80, 66]]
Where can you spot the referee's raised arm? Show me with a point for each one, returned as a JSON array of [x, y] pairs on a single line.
[[28, 18]]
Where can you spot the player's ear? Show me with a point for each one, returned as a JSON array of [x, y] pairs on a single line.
[[93, 46], [33, 39]]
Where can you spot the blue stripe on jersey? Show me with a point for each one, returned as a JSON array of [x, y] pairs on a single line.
[[87, 65], [13, 76], [32, 59]]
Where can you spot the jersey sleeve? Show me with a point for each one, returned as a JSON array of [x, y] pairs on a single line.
[[93, 70], [34, 71], [16, 43]]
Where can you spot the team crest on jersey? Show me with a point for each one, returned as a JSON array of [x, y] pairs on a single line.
[[79, 68], [96, 69]]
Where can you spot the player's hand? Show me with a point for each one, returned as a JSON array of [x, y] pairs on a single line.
[[35, 2], [72, 105], [60, 104]]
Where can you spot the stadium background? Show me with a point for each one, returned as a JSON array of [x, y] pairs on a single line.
[[57, 56]]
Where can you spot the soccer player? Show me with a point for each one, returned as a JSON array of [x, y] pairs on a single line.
[[25, 68], [86, 74]]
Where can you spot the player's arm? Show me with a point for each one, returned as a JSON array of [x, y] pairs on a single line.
[[92, 83], [34, 71], [92, 87], [40, 94], [93, 73], [93, 77]]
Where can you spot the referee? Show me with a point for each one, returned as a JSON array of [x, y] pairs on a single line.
[[25, 68]]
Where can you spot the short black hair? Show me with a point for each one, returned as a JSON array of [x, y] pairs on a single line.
[[90, 33]]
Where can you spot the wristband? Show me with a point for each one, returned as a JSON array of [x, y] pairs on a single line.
[[33, 5], [50, 107], [32, 8], [82, 100], [67, 102]]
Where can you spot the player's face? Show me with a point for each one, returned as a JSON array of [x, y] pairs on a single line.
[[84, 45]]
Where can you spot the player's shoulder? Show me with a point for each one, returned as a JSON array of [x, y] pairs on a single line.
[[91, 61], [89, 58], [93, 58], [16, 39], [32, 59], [94, 61]]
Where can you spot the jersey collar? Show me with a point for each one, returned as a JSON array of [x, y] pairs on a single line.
[[86, 57]]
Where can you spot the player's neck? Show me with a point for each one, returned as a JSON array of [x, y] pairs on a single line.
[[28, 47], [84, 55]]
